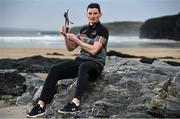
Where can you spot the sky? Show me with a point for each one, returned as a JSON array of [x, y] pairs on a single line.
[[48, 14]]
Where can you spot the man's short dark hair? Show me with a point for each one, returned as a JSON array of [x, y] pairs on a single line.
[[94, 5]]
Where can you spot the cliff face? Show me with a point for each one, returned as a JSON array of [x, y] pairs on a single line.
[[167, 27]]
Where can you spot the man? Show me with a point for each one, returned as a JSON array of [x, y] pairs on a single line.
[[88, 65]]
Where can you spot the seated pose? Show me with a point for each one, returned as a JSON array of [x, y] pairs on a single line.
[[92, 40]]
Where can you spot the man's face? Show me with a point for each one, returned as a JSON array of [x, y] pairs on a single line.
[[93, 15]]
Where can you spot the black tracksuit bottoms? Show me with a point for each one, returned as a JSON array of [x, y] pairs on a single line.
[[84, 70]]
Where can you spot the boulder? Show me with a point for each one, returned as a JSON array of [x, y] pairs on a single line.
[[32, 84], [12, 83]]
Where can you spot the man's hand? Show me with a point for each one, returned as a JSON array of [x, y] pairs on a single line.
[[71, 37], [64, 30], [70, 44], [92, 49]]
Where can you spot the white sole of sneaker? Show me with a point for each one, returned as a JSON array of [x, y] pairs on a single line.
[[64, 112], [38, 115]]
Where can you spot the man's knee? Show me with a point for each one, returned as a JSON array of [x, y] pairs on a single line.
[[53, 68], [84, 67], [58, 67]]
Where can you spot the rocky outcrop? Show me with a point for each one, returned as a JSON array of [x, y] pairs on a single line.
[[11, 82], [165, 103], [119, 54], [143, 58], [167, 27], [42, 64], [30, 64], [127, 88], [11, 86]]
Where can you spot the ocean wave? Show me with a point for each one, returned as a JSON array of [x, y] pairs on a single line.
[[43, 37], [57, 41], [120, 39], [58, 37]]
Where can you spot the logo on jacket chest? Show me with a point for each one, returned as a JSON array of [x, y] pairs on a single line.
[[93, 33], [88, 32]]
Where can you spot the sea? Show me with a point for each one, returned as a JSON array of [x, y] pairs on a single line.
[[55, 40]]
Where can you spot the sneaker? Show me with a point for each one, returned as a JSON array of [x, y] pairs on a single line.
[[36, 111], [70, 108]]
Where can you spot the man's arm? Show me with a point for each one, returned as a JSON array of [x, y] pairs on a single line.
[[70, 45], [92, 49]]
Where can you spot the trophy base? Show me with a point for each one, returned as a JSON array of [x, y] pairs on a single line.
[[65, 30]]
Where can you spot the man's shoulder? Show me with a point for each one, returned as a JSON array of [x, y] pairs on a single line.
[[83, 28], [103, 31], [104, 28]]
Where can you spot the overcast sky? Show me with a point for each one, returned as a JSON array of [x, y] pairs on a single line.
[[48, 14]]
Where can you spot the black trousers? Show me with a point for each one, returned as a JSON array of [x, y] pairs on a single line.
[[84, 70]]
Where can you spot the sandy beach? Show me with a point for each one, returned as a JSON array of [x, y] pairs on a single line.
[[15, 53]]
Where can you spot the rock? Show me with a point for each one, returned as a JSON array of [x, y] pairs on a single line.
[[147, 60], [165, 103], [24, 99], [160, 63], [119, 54], [33, 83], [127, 88], [100, 109], [55, 53], [172, 63], [30, 64], [32, 91], [11, 82], [138, 115]]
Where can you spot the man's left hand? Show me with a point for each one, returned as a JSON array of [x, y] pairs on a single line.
[[71, 37]]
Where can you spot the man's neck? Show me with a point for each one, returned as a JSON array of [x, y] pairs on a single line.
[[91, 24]]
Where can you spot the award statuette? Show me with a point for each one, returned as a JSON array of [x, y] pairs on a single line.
[[66, 25]]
